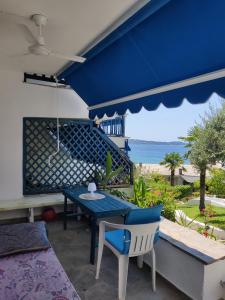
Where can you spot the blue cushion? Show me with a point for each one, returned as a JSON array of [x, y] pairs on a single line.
[[144, 215], [120, 239]]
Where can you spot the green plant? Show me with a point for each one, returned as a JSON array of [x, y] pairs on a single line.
[[217, 182], [160, 193], [183, 220], [195, 194], [119, 194], [183, 191], [210, 211], [152, 190], [104, 177], [207, 232], [196, 186], [155, 177], [172, 161], [140, 190], [169, 208]]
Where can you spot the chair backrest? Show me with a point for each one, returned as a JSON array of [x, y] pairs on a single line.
[[141, 238], [142, 216]]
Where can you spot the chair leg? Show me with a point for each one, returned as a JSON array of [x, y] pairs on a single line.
[[123, 271], [100, 251], [140, 261], [153, 270]]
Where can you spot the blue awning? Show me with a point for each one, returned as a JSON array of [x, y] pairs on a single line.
[[169, 50]]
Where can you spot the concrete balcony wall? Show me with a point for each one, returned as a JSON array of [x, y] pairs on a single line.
[[191, 262]]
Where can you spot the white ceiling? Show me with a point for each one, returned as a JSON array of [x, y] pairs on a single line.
[[72, 26]]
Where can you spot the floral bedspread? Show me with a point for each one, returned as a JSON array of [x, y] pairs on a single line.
[[34, 276]]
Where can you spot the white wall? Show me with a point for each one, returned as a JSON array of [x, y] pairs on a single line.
[[18, 100]]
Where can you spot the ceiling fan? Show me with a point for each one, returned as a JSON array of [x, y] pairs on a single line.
[[38, 45]]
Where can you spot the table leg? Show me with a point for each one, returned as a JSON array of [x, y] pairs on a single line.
[[31, 215], [79, 211], [65, 213], [124, 219], [93, 240]]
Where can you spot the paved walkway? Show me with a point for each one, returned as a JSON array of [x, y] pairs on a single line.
[[220, 202]]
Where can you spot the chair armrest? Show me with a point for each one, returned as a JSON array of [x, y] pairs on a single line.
[[104, 224]]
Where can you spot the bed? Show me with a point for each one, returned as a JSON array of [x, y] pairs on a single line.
[[34, 275]]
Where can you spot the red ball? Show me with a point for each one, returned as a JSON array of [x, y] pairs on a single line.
[[49, 214]]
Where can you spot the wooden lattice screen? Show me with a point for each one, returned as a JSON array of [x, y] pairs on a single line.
[[83, 149]]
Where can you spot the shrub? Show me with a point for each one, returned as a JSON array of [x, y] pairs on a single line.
[[183, 191], [217, 182], [167, 200], [156, 177], [197, 186], [196, 194], [154, 190]]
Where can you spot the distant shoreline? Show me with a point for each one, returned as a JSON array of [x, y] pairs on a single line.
[[137, 141]]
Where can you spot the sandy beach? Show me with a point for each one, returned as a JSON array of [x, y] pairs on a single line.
[[148, 168]]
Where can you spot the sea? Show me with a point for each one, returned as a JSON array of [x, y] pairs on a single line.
[[153, 152]]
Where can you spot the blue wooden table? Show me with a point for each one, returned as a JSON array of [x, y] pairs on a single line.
[[96, 209]]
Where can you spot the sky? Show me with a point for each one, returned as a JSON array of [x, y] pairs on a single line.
[[167, 124]]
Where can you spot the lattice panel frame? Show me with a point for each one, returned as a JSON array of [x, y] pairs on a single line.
[[83, 149]]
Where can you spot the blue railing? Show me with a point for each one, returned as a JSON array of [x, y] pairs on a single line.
[[114, 127]]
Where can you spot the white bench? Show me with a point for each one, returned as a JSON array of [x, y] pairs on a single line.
[[30, 203], [191, 262]]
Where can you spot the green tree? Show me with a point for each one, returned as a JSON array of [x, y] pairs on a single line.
[[217, 182], [206, 145], [172, 161]]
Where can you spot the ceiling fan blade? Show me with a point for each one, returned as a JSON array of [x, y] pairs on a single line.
[[10, 14], [31, 39], [74, 58], [19, 55]]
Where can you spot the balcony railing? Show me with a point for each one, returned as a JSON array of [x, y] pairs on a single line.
[[114, 127]]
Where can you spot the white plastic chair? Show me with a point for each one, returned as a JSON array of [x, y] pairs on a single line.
[[141, 242]]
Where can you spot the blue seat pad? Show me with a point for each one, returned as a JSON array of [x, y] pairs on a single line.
[[117, 239]]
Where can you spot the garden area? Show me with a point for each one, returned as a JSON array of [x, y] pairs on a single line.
[[153, 189], [206, 152], [215, 215]]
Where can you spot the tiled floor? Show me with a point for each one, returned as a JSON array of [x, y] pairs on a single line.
[[72, 249]]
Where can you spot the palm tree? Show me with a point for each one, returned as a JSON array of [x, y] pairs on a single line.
[[197, 153], [172, 161]]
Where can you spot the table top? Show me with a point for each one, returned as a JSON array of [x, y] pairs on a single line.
[[108, 206]]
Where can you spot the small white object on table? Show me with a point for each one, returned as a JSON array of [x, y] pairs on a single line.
[[92, 195]]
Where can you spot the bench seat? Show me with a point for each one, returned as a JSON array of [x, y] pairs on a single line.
[[31, 202]]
